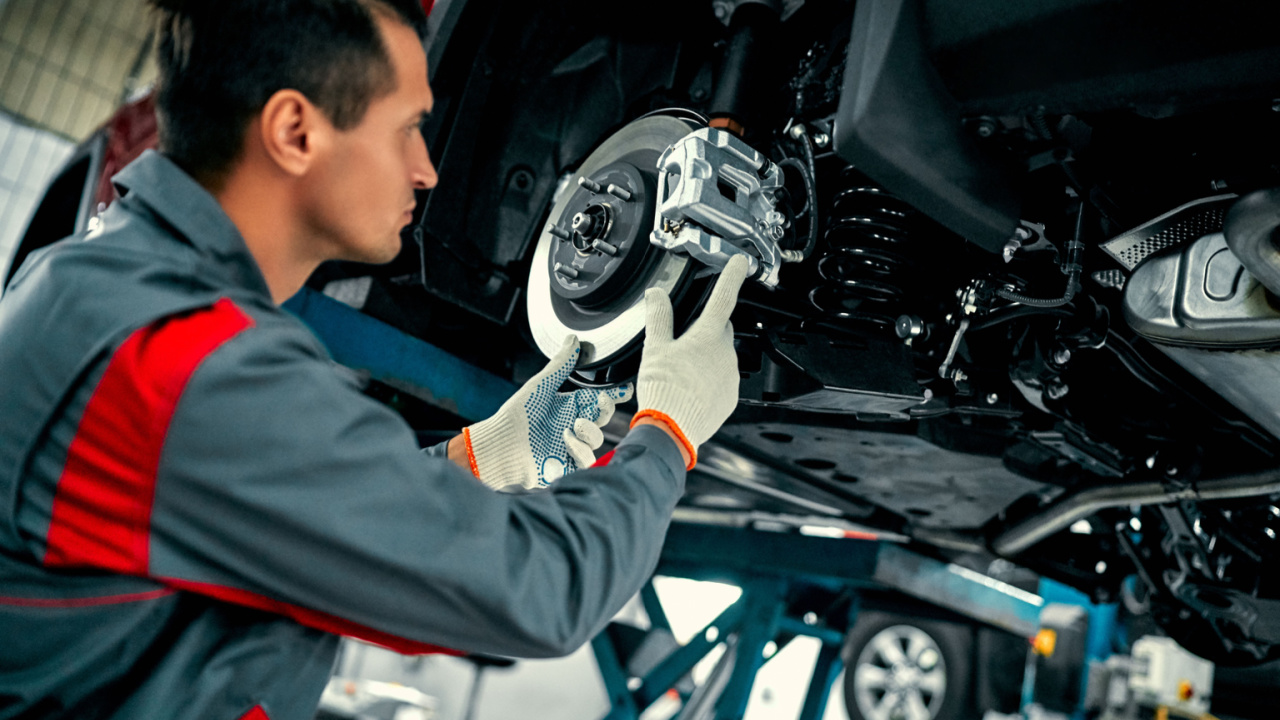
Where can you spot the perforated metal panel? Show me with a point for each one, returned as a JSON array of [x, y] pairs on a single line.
[[1183, 224]]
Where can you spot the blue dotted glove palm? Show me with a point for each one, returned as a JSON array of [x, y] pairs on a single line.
[[540, 433]]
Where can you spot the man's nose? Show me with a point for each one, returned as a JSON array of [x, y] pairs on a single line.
[[422, 171]]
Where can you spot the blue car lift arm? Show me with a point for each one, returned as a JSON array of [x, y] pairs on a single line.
[[771, 568]]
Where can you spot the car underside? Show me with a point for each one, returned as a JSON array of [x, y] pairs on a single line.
[[1013, 271]]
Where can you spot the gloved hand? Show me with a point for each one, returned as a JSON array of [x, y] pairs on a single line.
[[691, 383], [540, 434]]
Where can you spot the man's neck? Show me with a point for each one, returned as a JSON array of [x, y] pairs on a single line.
[[260, 212]]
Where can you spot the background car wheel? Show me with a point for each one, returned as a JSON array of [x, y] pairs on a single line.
[[906, 668]]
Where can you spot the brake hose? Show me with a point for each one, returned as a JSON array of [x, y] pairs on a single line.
[[1073, 267], [808, 171]]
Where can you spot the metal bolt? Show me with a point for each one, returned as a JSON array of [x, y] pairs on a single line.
[[821, 139], [1218, 185], [909, 326], [605, 248], [1062, 356], [798, 131], [621, 193], [558, 232], [1056, 391], [958, 375], [1275, 105], [992, 399], [567, 271], [589, 184], [986, 127], [583, 223]]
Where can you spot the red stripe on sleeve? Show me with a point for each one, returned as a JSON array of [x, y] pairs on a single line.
[[102, 505], [604, 459], [310, 618], [257, 713]]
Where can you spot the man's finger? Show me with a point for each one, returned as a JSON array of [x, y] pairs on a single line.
[[606, 405], [724, 297], [565, 359], [588, 432], [578, 450], [657, 311]]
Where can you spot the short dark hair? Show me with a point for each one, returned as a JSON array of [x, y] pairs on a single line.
[[221, 60]]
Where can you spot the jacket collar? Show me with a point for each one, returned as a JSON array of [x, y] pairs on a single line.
[[192, 213]]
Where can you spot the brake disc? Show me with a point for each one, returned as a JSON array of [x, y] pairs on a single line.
[[594, 260]]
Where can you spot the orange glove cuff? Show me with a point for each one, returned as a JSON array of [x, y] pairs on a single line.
[[471, 454], [673, 427]]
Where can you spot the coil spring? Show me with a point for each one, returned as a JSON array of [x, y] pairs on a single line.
[[865, 272]]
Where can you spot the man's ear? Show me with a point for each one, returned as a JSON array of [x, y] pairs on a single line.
[[293, 131]]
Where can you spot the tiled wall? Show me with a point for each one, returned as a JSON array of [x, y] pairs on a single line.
[[65, 65], [28, 159]]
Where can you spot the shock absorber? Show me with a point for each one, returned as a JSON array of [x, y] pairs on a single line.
[[866, 267]]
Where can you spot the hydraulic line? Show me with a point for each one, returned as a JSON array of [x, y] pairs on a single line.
[[808, 171], [1073, 268]]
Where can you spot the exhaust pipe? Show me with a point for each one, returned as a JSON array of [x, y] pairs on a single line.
[[1080, 504]]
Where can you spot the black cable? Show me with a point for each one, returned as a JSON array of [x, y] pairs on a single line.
[[1073, 268]]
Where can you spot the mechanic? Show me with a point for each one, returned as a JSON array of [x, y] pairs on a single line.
[[197, 502]]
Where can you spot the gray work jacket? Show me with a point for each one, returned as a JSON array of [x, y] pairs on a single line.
[[194, 502]]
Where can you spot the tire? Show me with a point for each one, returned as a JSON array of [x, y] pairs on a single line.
[[902, 667]]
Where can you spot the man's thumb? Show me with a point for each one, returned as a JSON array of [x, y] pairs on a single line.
[[658, 322]]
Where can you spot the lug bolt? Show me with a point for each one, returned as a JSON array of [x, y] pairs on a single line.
[[589, 184], [605, 248], [567, 271], [558, 232], [621, 193]]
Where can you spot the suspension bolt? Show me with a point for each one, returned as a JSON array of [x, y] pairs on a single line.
[[798, 131], [589, 184], [908, 326], [1056, 391], [958, 375], [1062, 356], [567, 271], [992, 399], [821, 139], [621, 193], [986, 127]]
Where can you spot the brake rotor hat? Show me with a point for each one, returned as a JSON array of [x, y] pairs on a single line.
[[594, 261]]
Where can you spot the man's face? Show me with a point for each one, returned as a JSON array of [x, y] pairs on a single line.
[[362, 191]]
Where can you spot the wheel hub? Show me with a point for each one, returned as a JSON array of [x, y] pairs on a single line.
[[605, 243]]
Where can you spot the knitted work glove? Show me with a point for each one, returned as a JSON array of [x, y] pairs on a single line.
[[691, 383], [540, 433]]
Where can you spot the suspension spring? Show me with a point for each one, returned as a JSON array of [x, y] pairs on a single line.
[[865, 271]]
